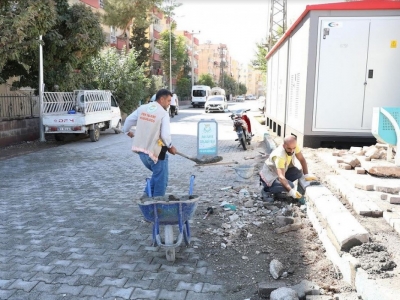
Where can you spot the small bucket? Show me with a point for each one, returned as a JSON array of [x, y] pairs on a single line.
[[244, 172]]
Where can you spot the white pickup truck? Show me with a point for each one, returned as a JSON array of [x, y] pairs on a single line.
[[80, 112]]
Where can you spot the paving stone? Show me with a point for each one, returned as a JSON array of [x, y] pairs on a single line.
[[172, 295], [6, 294], [5, 283], [365, 187], [359, 170], [69, 289], [139, 293], [47, 278], [147, 267], [344, 166], [205, 296], [94, 291], [195, 287], [46, 287], [394, 199], [23, 285], [384, 196], [387, 189], [124, 293], [118, 282]]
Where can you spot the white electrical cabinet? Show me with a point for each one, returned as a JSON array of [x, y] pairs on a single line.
[[331, 68]]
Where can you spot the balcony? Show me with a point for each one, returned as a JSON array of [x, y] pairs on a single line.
[[156, 34], [158, 27]]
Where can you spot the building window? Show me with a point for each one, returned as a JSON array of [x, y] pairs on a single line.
[[101, 3]]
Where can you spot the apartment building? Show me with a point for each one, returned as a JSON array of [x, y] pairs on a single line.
[[214, 59], [192, 46], [255, 82]]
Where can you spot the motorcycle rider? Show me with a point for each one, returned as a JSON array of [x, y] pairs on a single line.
[[173, 105], [279, 170]]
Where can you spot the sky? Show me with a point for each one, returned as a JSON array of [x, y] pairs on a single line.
[[238, 24]]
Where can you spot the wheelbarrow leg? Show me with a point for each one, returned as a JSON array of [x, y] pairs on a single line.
[[154, 243], [169, 240], [186, 233]]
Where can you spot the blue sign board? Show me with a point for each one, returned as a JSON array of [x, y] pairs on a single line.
[[207, 138]]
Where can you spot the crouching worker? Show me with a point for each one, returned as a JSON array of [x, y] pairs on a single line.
[[279, 170], [152, 139]]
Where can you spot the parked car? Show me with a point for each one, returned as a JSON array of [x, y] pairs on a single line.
[[239, 98], [216, 103], [261, 103]]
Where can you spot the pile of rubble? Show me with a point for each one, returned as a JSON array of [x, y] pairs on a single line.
[[381, 154], [240, 209]]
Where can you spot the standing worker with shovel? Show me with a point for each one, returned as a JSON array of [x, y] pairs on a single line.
[[153, 139]]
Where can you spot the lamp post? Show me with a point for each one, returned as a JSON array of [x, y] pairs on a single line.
[[193, 33], [170, 54], [41, 90]]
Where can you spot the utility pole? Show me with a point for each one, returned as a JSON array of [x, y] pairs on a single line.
[[221, 49], [192, 62], [41, 90], [277, 21]]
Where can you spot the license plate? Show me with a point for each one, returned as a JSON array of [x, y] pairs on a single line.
[[64, 129]]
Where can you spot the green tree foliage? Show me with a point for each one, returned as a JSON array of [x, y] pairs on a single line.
[[141, 44], [178, 52], [121, 74], [260, 62], [183, 88], [75, 37], [21, 24], [242, 89], [229, 85], [206, 79], [122, 13]]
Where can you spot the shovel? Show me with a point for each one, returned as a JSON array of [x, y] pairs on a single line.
[[202, 162]]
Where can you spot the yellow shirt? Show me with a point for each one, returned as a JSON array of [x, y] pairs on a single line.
[[282, 162]]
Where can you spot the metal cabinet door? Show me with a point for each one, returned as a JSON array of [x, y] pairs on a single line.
[[339, 97], [383, 67]]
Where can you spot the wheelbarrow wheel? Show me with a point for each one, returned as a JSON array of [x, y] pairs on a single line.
[[169, 240]]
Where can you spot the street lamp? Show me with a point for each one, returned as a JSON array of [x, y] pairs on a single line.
[[193, 33], [170, 55]]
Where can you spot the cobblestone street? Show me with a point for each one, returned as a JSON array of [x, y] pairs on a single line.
[[70, 226]]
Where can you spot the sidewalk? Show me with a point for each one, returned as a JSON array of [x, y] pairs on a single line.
[[341, 226]]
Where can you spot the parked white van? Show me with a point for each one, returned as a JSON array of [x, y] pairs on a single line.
[[200, 94]]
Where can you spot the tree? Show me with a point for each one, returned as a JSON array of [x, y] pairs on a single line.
[[242, 89], [69, 44], [121, 74], [140, 43], [206, 79], [229, 84], [121, 14], [183, 87], [21, 24], [260, 62], [178, 52]]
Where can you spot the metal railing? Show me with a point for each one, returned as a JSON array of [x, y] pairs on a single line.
[[14, 106]]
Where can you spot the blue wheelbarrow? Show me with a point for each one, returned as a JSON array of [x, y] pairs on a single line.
[[169, 213]]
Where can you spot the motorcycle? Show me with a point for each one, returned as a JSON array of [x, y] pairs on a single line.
[[242, 126]]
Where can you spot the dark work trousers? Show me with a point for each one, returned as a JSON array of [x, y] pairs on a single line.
[[291, 175]]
